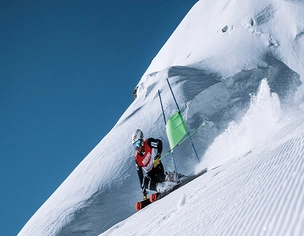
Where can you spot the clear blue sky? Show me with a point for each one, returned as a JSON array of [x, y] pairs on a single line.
[[67, 72]]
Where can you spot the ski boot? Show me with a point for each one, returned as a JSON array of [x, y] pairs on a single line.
[[173, 176]]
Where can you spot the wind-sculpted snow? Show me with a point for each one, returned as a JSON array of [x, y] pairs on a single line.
[[250, 131], [224, 101]]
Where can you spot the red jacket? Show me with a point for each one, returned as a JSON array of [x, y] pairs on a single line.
[[145, 161]]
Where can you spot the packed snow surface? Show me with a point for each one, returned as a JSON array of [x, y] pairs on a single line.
[[241, 71], [258, 193]]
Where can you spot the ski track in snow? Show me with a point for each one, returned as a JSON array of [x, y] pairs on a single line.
[[258, 194]]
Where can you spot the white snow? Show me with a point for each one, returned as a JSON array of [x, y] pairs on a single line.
[[238, 65], [257, 194], [253, 129]]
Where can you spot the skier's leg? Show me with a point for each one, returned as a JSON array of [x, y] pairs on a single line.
[[160, 172], [150, 183]]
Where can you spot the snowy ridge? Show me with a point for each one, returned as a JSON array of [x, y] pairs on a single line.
[[257, 194], [223, 31]]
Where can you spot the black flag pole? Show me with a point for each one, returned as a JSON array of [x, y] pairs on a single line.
[[161, 104]]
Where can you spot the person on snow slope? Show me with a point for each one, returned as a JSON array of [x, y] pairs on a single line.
[[147, 159]]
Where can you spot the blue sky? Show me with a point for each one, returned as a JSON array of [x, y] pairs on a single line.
[[68, 69]]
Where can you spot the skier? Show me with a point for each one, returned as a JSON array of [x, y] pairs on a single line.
[[147, 158]]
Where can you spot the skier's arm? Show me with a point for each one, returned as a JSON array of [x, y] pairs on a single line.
[[156, 143]]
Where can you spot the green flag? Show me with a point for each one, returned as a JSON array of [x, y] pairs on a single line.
[[176, 129]]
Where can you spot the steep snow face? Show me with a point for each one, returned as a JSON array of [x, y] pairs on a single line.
[[228, 40], [216, 62], [252, 130], [259, 193], [254, 185]]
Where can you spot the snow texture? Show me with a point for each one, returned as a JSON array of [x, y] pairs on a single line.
[[242, 72]]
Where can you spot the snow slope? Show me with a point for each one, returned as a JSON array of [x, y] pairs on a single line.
[[242, 72], [251, 29], [260, 193]]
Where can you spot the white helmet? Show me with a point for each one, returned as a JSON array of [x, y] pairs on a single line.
[[137, 138]]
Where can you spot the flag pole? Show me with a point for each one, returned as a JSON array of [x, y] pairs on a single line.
[[189, 136], [161, 104]]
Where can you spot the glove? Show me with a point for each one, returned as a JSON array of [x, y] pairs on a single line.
[[156, 160]]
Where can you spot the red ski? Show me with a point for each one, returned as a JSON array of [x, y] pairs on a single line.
[[142, 204]]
